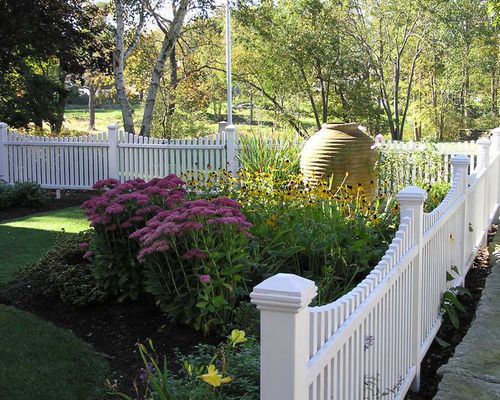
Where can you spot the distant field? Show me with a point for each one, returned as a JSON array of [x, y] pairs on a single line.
[[76, 119]]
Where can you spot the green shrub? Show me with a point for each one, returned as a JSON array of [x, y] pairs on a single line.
[[334, 237], [65, 273], [402, 167], [22, 194]]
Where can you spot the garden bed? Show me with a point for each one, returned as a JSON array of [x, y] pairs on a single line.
[[439, 355]]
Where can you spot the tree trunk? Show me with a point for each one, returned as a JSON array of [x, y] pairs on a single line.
[[92, 94], [173, 81], [57, 124], [118, 67], [167, 47], [494, 90]]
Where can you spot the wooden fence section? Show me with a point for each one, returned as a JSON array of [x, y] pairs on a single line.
[[79, 162], [369, 343]]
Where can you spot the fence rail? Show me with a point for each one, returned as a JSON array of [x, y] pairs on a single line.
[[369, 343]]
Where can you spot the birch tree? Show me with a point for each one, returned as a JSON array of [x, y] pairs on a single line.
[[172, 30], [130, 18], [391, 33]]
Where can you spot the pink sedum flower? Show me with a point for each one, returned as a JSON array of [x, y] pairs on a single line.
[[205, 278], [194, 254]]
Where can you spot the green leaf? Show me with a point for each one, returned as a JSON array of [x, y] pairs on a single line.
[[443, 343]]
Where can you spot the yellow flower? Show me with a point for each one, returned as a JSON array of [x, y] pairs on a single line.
[[237, 337], [213, 378], [272, 221]]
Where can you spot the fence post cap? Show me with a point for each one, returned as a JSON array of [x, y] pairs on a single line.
[[113, 127], [460, 160], [483, 142], [3, 125], [411, 194], [230, 127], [284, 292]]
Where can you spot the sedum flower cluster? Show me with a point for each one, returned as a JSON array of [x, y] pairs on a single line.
[[189, 254]]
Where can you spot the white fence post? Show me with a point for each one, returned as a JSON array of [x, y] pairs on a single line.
[[284, 326], [222, 126], [460, 164], [411, 200], [495, 140], [483, 154], [4, 168], [232, 145], [113, 157], [484, 163]]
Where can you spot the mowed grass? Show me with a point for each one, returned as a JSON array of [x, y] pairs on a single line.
[[37, 359], [25, 240], [40, 361], [78, 118]]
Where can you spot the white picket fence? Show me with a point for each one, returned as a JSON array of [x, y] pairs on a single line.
[[417, 163], [369, 344], [79, 162]]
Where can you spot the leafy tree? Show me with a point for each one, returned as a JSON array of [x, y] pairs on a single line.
[[43, 41]]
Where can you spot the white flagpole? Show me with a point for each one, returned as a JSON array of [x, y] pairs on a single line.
[[228, 65]]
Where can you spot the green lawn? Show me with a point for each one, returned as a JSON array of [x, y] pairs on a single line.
[[40, 361], [25, 239]]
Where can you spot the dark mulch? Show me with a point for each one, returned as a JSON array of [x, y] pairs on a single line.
[[69, 198], [113, 329], [437, 355]]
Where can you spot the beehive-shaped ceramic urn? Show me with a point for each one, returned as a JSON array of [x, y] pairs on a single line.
[[337, 150]]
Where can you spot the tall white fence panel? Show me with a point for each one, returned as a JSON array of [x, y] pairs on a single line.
[[369, 343]]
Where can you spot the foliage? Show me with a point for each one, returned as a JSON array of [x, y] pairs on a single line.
[[331, 236], [63, 272], [435, 195], [229, 371], [43, 42], [395, 166], [118, 212], [195, 259], [281, 157], [450, 303], [22, 194], [25, 240]]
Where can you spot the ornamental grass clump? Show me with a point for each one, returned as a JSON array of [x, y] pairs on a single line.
[[120, 210], [195, 258]]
